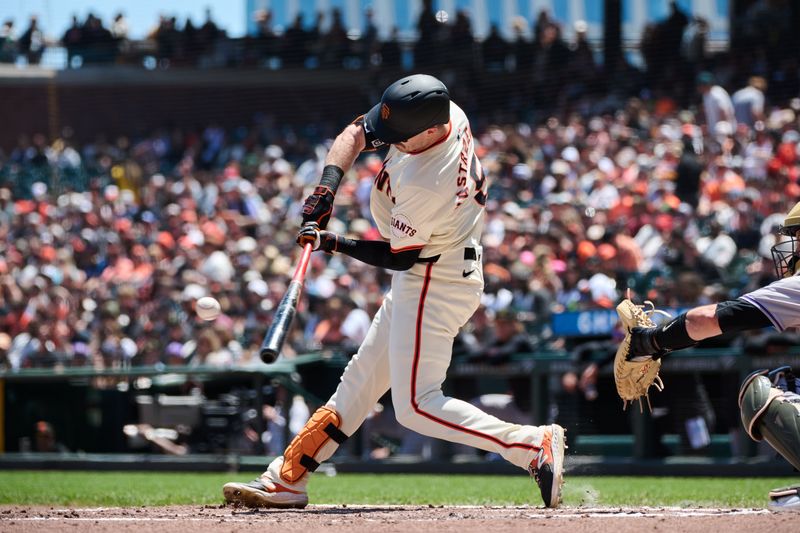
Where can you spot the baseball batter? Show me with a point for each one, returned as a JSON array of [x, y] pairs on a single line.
[[770, 407], [428, 203]]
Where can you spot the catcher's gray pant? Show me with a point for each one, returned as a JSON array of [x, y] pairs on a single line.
[[408, 348]]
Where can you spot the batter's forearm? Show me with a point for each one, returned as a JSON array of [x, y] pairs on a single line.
[[376, 253], [348, 144], [346, 147]]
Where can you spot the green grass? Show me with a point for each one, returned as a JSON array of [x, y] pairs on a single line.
[[126, 489]]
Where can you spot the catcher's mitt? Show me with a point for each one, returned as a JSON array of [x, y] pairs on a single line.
[[635, 376]]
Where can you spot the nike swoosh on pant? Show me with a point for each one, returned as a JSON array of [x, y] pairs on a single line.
[[466, 274]]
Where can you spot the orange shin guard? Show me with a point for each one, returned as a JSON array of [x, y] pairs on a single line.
[[299, 455]]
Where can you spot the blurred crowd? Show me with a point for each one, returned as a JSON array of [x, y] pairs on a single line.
[[672, 51], [540, 69], [676, 49], [106, 246], [325, 42]]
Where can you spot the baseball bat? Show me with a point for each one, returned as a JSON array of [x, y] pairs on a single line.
[[282, 320]]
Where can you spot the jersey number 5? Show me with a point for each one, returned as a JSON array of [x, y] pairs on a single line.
[[477, 175]]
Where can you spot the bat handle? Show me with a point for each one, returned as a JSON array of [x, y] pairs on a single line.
[[302, 265], [287, 308]]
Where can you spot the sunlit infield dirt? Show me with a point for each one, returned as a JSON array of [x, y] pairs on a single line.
[[392, 518]]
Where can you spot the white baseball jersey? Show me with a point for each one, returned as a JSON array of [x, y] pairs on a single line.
[[780, 301], [433, 199]]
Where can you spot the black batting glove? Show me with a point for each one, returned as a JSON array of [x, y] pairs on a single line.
[[308, 234], [318, 207], [319, 240]]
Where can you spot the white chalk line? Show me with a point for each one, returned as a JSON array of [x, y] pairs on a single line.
[[512, 512], [682, 513]]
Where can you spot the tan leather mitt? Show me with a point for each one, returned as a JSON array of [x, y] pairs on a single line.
[[635, 377]]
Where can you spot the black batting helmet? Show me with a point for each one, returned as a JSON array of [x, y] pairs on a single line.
[[408, 107]]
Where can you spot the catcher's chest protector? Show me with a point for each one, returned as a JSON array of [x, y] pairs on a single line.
[[768, 413]]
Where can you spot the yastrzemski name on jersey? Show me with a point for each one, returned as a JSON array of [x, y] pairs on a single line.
[[433, 199]]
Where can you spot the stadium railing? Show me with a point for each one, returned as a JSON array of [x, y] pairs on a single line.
[[72, 396], [633, 432], [90, 406]]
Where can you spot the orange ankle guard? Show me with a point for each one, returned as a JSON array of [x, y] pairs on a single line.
[[299, 455]]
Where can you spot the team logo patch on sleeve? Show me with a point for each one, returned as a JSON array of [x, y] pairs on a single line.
[[401, 226]]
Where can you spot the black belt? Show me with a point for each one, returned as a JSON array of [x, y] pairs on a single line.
[[470, 254]]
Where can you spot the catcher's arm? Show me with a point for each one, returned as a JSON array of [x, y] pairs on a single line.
[[700, 323], [645, 340]]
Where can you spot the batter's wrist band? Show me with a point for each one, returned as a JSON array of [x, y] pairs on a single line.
[[331, 176]]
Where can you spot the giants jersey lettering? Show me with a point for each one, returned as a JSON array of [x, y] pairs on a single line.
[[433, 199]]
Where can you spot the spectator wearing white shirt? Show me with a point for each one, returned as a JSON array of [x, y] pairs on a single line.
[[718, 248], [748, 103], [717, 104]]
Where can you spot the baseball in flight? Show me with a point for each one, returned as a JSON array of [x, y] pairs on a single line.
[[208, 308]]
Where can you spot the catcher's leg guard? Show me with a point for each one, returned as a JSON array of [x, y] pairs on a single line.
[[771, 414], [299, 455]]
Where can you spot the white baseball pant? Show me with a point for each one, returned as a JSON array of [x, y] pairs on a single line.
[[408, 348]]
